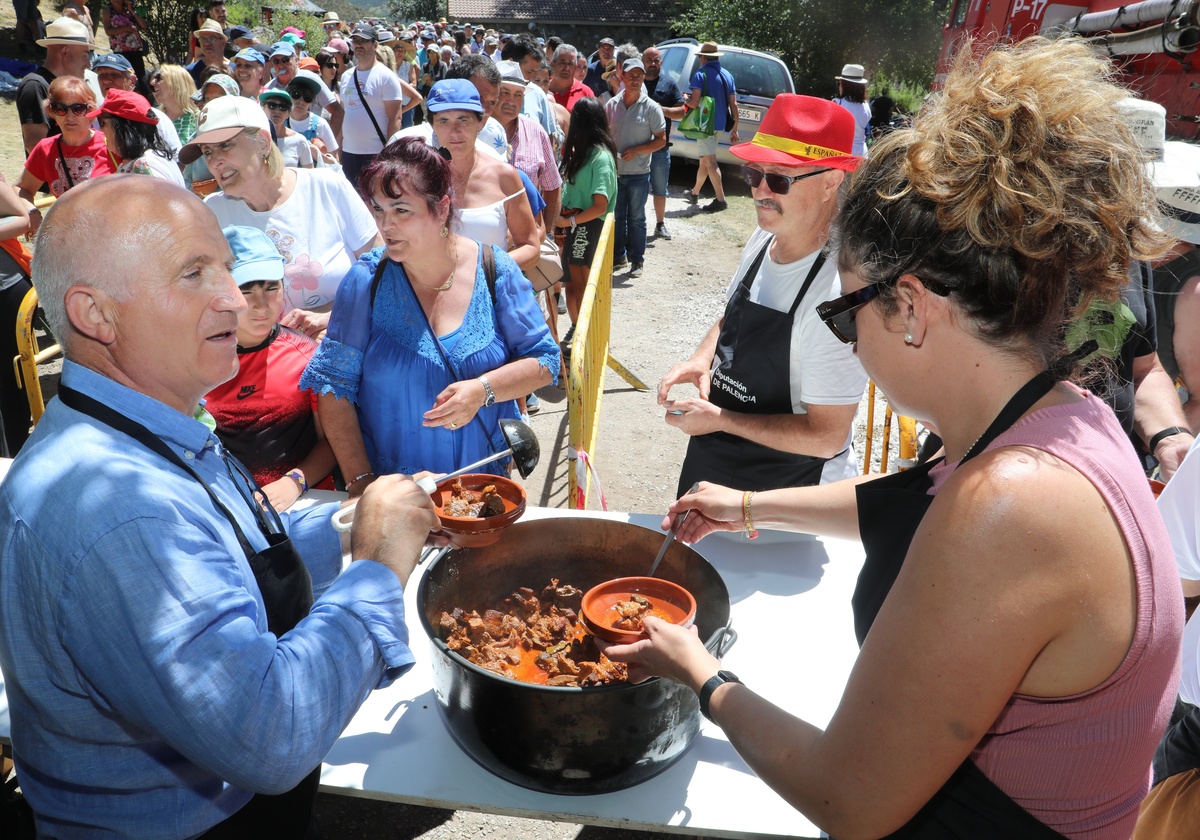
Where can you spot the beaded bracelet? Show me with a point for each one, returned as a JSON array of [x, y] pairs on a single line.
[[747, 521], [359, 478]]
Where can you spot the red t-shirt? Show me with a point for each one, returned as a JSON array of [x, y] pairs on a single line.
[[578, 91], [262, 416], [91, 160]]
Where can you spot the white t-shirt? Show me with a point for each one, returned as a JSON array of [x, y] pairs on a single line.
[[153, 164], [295, 150], [861, 112], [317, 231], [823, 370], [425, 132], [379, 85], [324, 130], [1179, 505]]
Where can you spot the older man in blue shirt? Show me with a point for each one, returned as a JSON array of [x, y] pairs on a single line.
[[167, 670], [639, 128]]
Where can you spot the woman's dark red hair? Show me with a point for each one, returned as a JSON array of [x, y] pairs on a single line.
[[408, 166]]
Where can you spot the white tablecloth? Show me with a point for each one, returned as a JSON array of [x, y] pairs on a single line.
[[790, 598]]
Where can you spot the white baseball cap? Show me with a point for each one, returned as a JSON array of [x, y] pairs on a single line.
[[223, 119]]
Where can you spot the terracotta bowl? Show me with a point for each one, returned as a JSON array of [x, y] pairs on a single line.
[[474, 531], [670, 601]]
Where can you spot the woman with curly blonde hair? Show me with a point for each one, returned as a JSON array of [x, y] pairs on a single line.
[[1019, 614]]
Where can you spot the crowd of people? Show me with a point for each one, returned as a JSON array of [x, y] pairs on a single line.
[[347, 301]]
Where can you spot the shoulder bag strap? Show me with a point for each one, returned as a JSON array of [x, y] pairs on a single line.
[[63, 160], [367, 107]]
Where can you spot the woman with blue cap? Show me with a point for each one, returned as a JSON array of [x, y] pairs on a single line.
[[484, 186]]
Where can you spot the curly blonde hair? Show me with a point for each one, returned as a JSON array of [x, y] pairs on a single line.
[[1019, 186]]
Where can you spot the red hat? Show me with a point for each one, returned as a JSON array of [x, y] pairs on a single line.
[[801, 131], [126, 104]]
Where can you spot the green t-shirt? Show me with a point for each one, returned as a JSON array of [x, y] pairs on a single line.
[[598, 175]]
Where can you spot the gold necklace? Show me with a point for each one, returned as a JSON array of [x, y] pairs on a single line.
[[449, 280]]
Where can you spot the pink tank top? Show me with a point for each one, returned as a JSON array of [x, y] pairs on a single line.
[[1081, 764]]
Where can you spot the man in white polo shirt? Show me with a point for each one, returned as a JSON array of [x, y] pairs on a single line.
[[372, 96]]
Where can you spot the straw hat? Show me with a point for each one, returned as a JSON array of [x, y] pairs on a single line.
[[68, 32], [211, 27]]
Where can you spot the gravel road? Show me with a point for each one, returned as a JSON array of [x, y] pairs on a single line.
[[657, 320]]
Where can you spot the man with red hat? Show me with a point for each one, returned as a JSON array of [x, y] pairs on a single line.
[[777, 397]]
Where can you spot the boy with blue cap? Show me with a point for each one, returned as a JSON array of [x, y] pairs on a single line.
[[262, 416]]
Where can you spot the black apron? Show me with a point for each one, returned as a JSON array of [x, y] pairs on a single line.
[[287, 594], [969, 806], [752, 375], [1179, 749]]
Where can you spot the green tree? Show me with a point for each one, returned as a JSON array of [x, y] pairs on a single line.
[[898, 39], [169, 25], [417, 9]]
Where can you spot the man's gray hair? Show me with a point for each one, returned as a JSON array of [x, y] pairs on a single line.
[[626, 52], [65, 255], [565, 49]]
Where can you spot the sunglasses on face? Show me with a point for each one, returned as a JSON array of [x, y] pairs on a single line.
[[277, 105], [778, 184], [838, 314], [280, 59], [77, 108]]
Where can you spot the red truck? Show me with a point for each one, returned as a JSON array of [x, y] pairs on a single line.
[[1153, 42]]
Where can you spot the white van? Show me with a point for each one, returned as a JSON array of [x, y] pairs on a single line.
[[759, 77]]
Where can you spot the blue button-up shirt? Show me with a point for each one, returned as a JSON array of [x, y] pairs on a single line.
[[147, 697]]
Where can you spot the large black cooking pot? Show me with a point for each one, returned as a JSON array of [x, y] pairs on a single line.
[[557, 739]]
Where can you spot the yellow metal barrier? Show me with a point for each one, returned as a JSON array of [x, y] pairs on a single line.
[[585, 371], [29, 356], [906, 428]]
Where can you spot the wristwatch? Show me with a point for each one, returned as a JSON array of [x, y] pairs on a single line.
[[489, 394], [706, 691]]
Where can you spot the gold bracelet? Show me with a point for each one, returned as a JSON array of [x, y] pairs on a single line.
[[747, 521]]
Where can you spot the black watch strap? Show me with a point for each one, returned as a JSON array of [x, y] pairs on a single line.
[[1163, 435], [706, 691]]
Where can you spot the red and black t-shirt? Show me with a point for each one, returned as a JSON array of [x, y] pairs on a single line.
[[262, 416]]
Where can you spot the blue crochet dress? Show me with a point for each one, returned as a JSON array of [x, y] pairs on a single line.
[[386, 363]]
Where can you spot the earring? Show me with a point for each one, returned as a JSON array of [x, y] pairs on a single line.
[[908, 339], [445, 231]]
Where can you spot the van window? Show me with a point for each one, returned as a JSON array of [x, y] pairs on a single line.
[[673, 59]]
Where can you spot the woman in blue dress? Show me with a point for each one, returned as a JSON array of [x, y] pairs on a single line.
[[425, 354]]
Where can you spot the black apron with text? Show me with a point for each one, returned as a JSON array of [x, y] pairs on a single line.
[[969, 806], [752, 375], [287, 594]]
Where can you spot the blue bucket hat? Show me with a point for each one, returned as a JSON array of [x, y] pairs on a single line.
[[250, 54], [254, 257], [453, 94]]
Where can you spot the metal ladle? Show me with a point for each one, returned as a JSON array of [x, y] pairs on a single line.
[[522, 445]]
